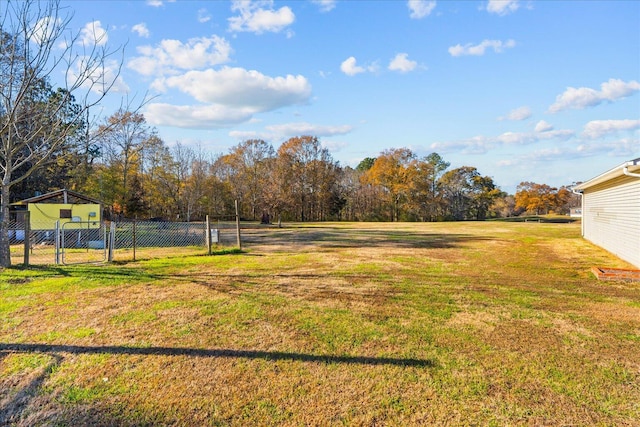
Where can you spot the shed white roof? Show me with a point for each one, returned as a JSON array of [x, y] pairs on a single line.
[[632, 166]]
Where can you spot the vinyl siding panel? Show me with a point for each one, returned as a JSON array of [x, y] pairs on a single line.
[[611, 217]]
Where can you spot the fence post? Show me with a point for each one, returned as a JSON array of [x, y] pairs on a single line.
[[57, 240], [27, 238], [238, 227], [134, 240], [112, 240], [208, 234]]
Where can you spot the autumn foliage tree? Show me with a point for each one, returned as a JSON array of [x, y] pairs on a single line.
[[542, 199], [394, 171]]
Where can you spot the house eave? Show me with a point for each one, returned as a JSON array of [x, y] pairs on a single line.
[[632, 166]]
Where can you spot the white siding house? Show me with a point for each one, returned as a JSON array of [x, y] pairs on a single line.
[[611, 211]]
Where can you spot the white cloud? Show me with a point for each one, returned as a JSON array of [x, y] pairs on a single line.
[[616, 89], [478, 50], [241, 88], [141, 29], [96, 78], [402, 63], [599, 128], [45, 28], [259, 16], [288, 130], [243, 135], [543, 126], [228, 96], [172, 55], [618, 148], [525, 138], [482, 144], [203, 16], [626, 148], [502, 7], [333, 145], [111, 70], [293, 129], [520, 113], [583, 97], [420, 8], [195, 116], [92, 34], [349, 67], [325, 5], [158, 3], [475, 145]]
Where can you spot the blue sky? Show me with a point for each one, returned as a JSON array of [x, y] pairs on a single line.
[[542, 91]]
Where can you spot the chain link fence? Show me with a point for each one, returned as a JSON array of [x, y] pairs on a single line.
[[127, 240], [34, 242]]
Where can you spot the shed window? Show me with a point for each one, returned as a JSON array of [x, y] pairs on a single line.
[[65, 213]]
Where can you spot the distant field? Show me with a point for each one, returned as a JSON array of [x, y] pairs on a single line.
[[489, 323]]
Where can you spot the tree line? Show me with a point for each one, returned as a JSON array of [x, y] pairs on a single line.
[[124, 163]]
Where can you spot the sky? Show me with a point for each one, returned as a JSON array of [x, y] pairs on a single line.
[[539, 91]]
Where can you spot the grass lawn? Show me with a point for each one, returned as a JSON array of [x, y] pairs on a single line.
[[488, 323]]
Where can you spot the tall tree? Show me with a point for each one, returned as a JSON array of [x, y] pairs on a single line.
[[504, 206], [394, 171], [434, 199], [542, 198], [195, 185], [160, 180], [35, 45], [249, 163], [307, 175], [123, 137], [60, 171], [535, 198], [467, 194], [483, 192]]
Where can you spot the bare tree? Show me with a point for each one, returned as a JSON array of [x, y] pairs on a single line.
[[124, 136], [36, 41]]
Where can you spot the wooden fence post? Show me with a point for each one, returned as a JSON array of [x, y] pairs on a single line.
[[134, 240], [27, 237], [58, 244], [112, 240], [238, 226], [208, 234]]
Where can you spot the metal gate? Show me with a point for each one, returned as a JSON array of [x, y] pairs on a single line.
[[82, 242]]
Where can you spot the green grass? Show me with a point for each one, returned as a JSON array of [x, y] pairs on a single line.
[[492, 323]]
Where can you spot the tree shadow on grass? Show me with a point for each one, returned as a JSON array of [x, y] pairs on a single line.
[[27, 403], [24, 401], [14, 404], [215, 353]]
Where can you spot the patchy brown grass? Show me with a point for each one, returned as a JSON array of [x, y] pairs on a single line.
[[330, 324]]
